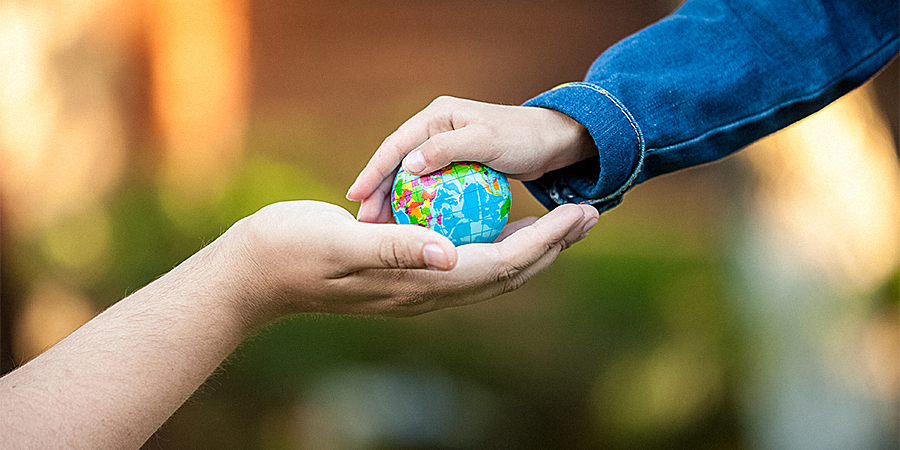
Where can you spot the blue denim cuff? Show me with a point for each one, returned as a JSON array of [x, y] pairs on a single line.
[[600, 181]]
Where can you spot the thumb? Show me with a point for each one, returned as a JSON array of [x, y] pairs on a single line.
[[391, 246], [463, 144]]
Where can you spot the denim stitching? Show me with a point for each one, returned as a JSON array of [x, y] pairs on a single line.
[[637, 131]]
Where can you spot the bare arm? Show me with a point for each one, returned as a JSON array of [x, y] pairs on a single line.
[[115, 380]]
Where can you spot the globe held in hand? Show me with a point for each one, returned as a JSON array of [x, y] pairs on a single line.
[[467, 202]]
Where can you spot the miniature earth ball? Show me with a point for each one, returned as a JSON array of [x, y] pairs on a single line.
[[467, 202]]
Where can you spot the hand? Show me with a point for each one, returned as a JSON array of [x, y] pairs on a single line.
[[523, 142], [115, 380], [309, 256]]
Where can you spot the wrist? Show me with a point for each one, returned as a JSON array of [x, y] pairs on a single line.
[[239, 279], [547, 140], [605, 177], [575, 141], [220, 284]]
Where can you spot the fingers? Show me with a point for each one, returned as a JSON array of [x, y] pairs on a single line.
[[388, 246], [511, 228], [384, 163], [438, 151], [488, 270], [560, 233], [483, 271], [433, 132], [522, 254], [311, 256], [557, 230], [464, 144], [377, 207]]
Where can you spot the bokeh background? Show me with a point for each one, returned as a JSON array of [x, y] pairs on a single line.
[[746, 304]]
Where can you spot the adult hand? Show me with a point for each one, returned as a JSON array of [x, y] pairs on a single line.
[[307, 256], [115, 380], [523, 142]]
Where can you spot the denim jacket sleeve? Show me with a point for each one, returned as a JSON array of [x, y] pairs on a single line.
[[709, 79]]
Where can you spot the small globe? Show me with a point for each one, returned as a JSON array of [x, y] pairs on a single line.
[[467, 202]]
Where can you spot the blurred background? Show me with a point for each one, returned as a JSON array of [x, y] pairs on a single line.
[[747, 304]]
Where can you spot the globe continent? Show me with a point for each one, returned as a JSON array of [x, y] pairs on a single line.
[[467, 202]]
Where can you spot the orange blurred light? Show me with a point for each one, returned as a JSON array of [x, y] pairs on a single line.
[[199, 63], [49, 314], [62, 142]]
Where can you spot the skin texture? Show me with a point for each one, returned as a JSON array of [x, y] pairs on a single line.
[[115, 380], [523, 142]]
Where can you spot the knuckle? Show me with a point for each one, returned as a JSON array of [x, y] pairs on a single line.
[[508, 278], [511, 275], [412, 308], [407, 297], [435, 149], [391, 148], [415, 303], [442, 101], [394, 254], [513, 282]]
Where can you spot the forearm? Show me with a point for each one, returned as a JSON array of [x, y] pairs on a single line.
[[114, 381], [709, 79]]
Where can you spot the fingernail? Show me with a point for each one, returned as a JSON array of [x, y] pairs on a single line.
[[589, 224], [352, 185], [435, 258], [414, 162], [587, 227]]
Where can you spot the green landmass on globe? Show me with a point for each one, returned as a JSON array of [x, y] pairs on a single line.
[[468, 202]]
